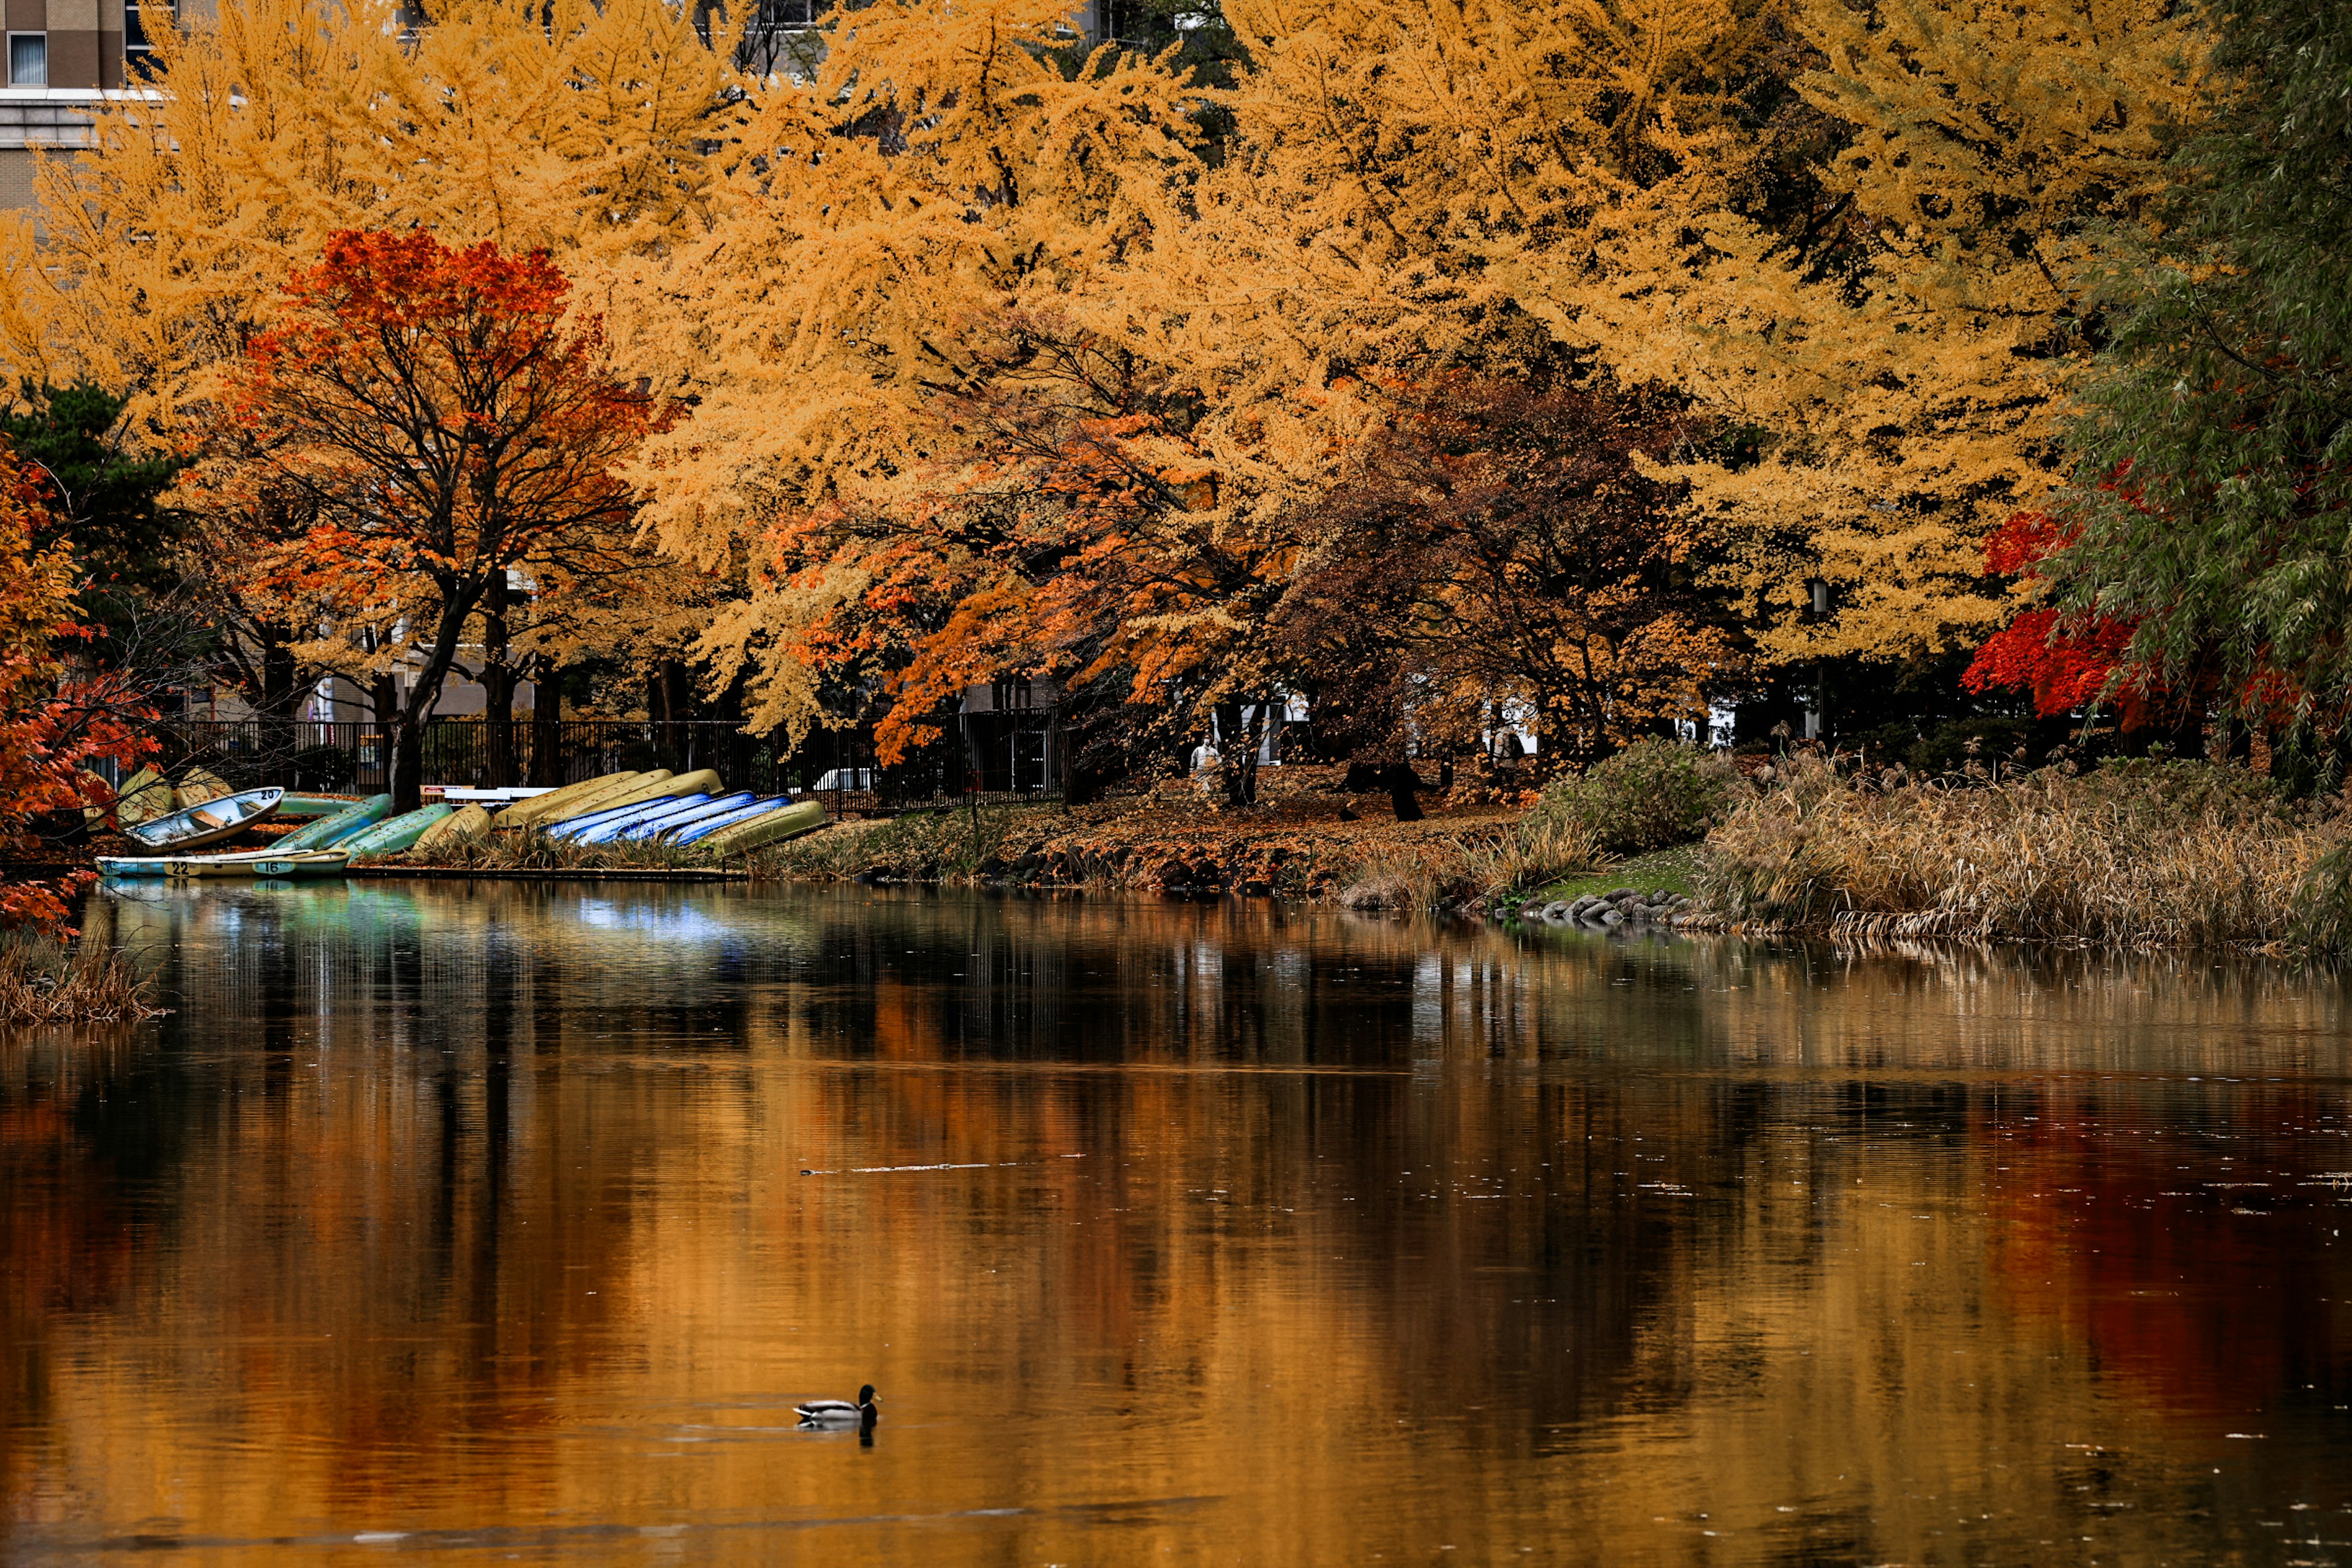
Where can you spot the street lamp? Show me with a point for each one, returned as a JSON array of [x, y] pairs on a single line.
[[1818, 590]]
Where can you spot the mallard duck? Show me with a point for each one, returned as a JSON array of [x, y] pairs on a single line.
[[838, 1412]]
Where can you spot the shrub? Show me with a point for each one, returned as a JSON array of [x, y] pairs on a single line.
[[1540, 850], [1652, 793]]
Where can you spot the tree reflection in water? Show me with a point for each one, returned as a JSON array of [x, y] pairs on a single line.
[[511, 1214]]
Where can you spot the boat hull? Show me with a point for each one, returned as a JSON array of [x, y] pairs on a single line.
[[462, 826], [703, 828], [541, 808], [660, 827], [774, 827], [398, 834], [702, 780], [208, 821], [197, 867], [342, 825]]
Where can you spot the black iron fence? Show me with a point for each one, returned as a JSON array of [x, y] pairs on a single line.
[[989, 762]]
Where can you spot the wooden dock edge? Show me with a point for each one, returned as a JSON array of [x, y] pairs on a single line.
[[616, 874]]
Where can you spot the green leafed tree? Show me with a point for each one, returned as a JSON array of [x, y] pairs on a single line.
[[2212, 506]]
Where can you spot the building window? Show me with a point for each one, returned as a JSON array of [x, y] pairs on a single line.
[[138, 48], [28, 59]]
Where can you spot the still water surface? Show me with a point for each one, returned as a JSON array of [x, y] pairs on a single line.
[[507, 1223]]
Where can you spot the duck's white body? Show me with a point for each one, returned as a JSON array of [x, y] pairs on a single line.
[[839, 1412]]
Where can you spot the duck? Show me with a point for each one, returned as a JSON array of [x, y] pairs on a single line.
[[838, 1412]]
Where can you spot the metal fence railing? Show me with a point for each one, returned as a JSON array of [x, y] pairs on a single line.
[[970, 763]]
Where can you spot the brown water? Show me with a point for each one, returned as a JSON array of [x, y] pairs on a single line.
[[507, 1223]]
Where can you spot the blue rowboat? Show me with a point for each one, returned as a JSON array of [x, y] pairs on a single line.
[[651, 811], [609, 827], [670, 822], [573, 826], [704, 827]]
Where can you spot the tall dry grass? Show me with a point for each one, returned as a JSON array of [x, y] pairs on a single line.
[[2140, 854], [1434, 872], [1543, 848], [42, 982]]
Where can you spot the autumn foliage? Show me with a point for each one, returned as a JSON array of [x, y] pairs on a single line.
[[2064, 667], [416, 422], [1454, 369], [55, 721]]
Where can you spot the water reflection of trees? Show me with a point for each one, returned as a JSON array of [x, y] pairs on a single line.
[[528, 1147]]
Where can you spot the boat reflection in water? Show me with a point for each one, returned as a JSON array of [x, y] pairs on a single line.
[[515, 1219]]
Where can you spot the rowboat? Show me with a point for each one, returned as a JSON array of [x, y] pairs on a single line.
[[400, 833], [327, 831], [620, 789], [462, 826], [769, 827], [302, 868], [670, 822], [559, 803], [143, 797], [309, 808], [656, 786], [605, 825], [188, 868], [197, 825], [703, 828]]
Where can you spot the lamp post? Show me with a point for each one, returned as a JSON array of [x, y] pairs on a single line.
[[1819, 589]]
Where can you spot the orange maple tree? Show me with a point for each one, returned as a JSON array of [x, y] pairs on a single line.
[[437, 421]]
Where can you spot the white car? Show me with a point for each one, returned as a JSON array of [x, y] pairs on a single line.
[[846, 778]]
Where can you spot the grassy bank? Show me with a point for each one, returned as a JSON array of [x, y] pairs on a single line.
[[2135, 854], [1304, 840]]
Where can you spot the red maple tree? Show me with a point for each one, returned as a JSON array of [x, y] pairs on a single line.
[[436, 419], [55, 721]]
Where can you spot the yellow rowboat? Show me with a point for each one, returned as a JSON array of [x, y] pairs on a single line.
[[608, 791], [784, 822], [655, 786], [539, 807], [460, 827]]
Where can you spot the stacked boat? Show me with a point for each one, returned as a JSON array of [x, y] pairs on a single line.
[[663, 808], [316, 850], [644, 808]]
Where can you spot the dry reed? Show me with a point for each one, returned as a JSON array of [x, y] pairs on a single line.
[[43, 982], [2132, 855]]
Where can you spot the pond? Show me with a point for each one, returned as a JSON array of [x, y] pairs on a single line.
[[508, 1222]]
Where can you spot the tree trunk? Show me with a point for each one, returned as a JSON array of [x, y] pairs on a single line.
[[498, 687], [383, 702], [657, 716], [407, 763], [547, 726], [1402, 782], [677, 706], [1238, 750], [408, 739]]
